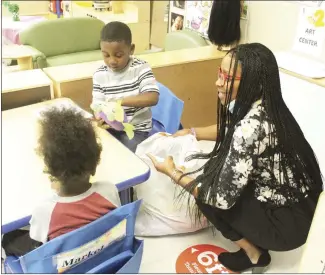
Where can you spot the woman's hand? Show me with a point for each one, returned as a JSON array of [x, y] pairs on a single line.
[[183, 132], [179, 133], [167, 167]]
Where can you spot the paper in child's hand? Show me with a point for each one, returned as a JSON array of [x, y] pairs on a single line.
[[129, 130], [114, 116], [119, 111]]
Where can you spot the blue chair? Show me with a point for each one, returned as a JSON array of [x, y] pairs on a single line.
[[106, 245], [157, 127], [167, 113]]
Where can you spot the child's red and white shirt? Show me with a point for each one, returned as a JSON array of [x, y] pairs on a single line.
[[59, 215]]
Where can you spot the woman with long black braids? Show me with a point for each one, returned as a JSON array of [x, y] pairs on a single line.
[[261, 182]]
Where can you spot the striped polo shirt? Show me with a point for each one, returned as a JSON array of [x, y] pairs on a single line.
[[135, 79]]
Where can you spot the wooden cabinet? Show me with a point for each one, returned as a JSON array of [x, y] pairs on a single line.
[[159, 22]]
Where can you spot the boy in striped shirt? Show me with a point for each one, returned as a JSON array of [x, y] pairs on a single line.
[[128, 78]]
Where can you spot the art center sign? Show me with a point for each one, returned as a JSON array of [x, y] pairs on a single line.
[[310, 34]]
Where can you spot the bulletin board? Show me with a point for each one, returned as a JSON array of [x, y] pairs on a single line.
[[197, 15], [194, 15], [177, 10]]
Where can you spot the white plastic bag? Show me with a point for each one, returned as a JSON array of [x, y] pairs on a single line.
[[162, 212]]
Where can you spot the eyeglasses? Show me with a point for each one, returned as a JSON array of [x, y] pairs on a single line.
[[223, 77]]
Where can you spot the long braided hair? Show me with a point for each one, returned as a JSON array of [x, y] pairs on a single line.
[[259, 80]]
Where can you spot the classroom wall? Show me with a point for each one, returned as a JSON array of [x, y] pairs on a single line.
[[273, 23], [305, 101]]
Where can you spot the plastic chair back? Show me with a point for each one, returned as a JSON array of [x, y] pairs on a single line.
[[169, 110], [106, 245]]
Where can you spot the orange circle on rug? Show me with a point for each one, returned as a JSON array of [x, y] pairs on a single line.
[[202, 258]]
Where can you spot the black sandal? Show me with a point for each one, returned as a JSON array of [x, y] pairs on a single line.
[[239, 261]]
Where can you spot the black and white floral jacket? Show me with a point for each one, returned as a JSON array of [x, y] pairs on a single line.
[[251, 141]]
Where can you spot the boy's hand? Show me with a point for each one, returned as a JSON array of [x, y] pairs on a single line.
[[101, 123]]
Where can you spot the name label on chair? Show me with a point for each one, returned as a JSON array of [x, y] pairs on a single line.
[[72, 258]]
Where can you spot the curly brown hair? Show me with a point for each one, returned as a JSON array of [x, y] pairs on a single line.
[[68, 144]]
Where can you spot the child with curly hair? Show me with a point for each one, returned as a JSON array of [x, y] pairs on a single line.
[[71, 153]]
